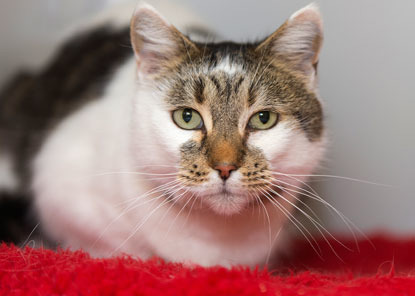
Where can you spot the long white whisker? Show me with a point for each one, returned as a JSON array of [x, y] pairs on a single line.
[[174, 200], [302, 182], [269, 227], [298, 199], [191, 207], [294, 221], [157, 165], [316, 224], [30, 234], [130, 173], [157, 189], [137, 228], [129, 208], [314, 195], [335, 177], [349, 224], [178, 214]]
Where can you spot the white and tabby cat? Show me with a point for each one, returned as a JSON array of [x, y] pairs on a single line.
[[183, 154]]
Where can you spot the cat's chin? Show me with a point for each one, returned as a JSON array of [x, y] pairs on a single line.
[[226, 208], [228, 203], [235, 203]]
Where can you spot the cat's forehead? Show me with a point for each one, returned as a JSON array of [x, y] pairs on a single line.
[[216, 74], [227, 75], [230, 79]]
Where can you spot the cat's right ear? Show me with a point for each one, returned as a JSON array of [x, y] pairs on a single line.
[[298, 41], [157, 45]]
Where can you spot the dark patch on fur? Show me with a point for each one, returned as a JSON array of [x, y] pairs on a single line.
[[251, 95], [228, 89], [238, 84], [16, 222], [216, 83], [32, 104], [200, 87]]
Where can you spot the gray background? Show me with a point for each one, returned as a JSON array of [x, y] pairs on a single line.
[[366, 81]]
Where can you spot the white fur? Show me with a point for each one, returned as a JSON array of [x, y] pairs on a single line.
[[8, 178], [83, 182], [310, 8], [226, 66]]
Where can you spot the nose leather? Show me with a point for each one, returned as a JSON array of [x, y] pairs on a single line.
[[225, 170]]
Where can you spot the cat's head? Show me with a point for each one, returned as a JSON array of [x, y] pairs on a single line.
[[226, 119]]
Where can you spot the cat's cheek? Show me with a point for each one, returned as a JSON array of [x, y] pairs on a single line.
[[168, 134], [288, 149], [274, 142]]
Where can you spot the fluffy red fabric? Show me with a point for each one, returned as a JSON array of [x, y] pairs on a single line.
[[386, 268]]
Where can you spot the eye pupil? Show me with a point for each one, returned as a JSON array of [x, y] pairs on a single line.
[[263, 116], [187, 115]]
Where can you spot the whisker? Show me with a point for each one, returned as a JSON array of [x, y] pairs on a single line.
[[178, 214], [296, 198], [334, 177], [30, 234], [159, 188], [157, 165], [316, 224], [294, 221], [130, 173], [137, 228], [256, 70], [158, 178], [191, 207], [269, 227], [262, 74], [302, 182], [174, 200], [131, 207], [349, 224], [307, 193]]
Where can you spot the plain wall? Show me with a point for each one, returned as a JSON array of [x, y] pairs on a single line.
[[366, 81]]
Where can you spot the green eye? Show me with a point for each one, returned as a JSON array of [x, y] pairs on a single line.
[[187, 119], [263, 120]]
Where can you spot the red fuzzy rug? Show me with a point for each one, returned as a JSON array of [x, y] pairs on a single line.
[[388, 268]]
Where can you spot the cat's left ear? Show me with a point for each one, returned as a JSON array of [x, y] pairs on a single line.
[[157, 45], [298, 41]]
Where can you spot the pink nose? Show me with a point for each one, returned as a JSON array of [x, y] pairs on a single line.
[[225, 170]]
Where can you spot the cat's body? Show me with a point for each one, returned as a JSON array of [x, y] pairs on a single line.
[[174, 157]]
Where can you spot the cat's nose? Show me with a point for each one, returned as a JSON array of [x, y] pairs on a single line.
[[225, 170]]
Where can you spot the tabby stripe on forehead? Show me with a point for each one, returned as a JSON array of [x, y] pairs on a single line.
[[238, 84], [228, 89], [251, 95], [199, 89], [216, 83]]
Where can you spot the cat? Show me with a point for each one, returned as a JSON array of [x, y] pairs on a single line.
[[186, 153]]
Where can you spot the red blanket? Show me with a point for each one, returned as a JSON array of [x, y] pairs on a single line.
[[386, 268]]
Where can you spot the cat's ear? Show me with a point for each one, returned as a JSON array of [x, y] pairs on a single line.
[[298, 41], [157, 44]]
